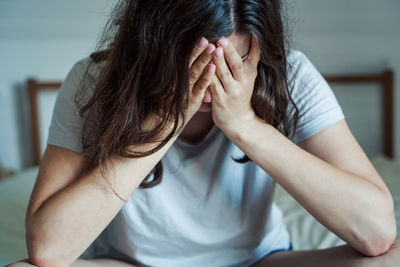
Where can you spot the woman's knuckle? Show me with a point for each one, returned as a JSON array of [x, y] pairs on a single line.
[[208, 76], [237, 67], [204, 60], [194, 74], [196, 51], [236, 94], [220, 103], [205, 82], [226, 73]]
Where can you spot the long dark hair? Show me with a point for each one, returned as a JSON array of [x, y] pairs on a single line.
[[144, 54]]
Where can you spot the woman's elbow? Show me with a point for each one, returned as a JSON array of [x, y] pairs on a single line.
[[384, 236], [39, 253], [39, 257], [379, 246]]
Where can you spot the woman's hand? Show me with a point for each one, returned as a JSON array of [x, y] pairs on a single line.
[[232, 92], [201, 74]]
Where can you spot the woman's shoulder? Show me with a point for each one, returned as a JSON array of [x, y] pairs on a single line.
[[295, 56], [316, 102], [87, 64], [79, 82], [301, 72], [298, 63], [85, 73]]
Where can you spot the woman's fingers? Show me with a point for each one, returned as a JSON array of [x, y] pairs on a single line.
[[201, 72], [223, 71], [234, 60], [200, 63], [216, 88], [198, 49], [204, 81]]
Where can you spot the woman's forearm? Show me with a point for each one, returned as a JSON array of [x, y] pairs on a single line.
[[349, 205], [60, 230]]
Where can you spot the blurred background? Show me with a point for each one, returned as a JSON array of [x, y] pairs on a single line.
[[42, 39]]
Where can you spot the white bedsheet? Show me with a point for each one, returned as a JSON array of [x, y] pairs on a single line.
[[306, 232], [14, 197]]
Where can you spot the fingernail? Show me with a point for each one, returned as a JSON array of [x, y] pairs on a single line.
[[210, 48], [211, 68], [223, 42], [219, 52], [202, 43]]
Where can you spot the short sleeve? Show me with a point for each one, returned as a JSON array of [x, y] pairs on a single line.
[[314, 98], [66, 124]]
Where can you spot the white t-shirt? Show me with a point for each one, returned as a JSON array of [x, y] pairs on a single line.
[[208, 209]]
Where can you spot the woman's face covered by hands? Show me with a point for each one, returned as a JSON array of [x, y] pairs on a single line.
[[242, 43]]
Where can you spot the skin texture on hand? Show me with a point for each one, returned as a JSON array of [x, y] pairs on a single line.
[[201, 73], [232, 91]]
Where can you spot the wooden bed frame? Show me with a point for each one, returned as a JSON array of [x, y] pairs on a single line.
[[385, 79], [34, 87]]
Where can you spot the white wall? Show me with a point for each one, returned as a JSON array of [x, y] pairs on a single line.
[[43, 39], [40, 39], [344, 36]]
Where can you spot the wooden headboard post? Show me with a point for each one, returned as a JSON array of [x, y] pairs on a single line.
[[388, 98], [385, 79], [33, 88], [33, 105]]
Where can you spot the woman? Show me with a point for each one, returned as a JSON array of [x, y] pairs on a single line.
[[201, 106]]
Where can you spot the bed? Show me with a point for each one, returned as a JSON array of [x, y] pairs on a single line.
[[306, 232]]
